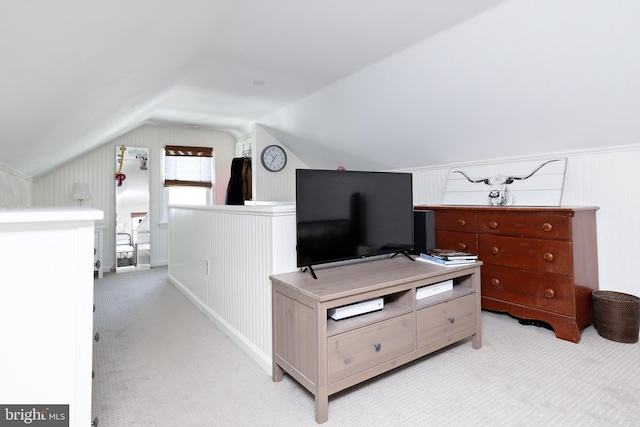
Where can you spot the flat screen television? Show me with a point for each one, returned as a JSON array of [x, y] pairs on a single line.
[[342, 215]]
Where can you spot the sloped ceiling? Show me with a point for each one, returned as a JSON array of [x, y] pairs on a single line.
[[529, 78], [75, 74]]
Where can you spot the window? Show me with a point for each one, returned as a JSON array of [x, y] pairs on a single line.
[[188, 195], [188, 176]]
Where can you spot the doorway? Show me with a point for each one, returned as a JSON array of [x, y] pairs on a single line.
[[133, 243]]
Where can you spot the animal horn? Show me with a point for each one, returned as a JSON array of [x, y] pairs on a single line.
[[512, 178], [475, 181]]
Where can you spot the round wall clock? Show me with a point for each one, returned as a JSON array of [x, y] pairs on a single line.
[[273, 158]]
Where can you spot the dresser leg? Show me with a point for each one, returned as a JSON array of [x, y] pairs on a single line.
[[567, 330]]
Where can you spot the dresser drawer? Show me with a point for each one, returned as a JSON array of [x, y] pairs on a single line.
[[540, 290], [455, 220], [444, 320], [466, 242], [551, 256], [364, 348], [520, 224]]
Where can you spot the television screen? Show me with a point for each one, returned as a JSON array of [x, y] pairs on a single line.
[[342, 215]]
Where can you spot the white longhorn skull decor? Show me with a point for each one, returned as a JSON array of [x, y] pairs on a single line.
[[530, 183]]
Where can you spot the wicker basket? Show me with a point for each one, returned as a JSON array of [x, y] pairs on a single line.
[[617, 316]]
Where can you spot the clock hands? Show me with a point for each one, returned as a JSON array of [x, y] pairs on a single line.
[[273, 158]]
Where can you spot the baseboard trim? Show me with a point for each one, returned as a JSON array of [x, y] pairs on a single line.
[[258, 356]]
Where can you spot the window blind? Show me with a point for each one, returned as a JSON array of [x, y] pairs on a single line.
[[187, 166]]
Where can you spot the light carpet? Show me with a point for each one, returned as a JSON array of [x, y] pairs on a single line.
[[161, 362]]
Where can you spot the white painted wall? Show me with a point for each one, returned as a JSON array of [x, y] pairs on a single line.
[[273, 186], [97, 168]]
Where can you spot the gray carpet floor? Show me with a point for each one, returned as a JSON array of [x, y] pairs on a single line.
[[161, 362]]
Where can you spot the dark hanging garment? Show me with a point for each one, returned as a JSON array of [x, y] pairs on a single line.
[[246, 179], [239, 188]]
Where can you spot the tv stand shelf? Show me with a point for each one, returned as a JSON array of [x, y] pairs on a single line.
[[327, 356]]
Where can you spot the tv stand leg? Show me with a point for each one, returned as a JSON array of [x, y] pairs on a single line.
[[403, 253], [313, 273], [277, 373], [322, 407]]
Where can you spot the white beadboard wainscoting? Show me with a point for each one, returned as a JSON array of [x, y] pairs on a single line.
[[221, 258], [607, 178]]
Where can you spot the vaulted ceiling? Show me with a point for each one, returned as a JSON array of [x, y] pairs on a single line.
[[74, 74]]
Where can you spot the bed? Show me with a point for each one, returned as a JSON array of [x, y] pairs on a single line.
[[125, 251]]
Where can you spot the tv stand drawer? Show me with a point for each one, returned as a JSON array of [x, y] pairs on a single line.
[[445, 320], [363, 348]]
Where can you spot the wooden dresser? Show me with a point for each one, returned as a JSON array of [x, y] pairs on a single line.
[[540, 263]]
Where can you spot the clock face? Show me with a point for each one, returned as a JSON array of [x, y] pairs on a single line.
[[274, 158]]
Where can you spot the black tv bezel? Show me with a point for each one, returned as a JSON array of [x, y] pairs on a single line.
[[390, 252]]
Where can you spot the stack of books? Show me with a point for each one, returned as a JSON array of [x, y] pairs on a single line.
[[448, 257]]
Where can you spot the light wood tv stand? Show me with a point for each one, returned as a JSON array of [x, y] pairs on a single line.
[[327, 356]]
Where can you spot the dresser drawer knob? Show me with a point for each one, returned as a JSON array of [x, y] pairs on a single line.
[[378, 346], [548, 256], [547, 227], [462, 222], [495, 283], [452, 319], [494, 250], [493, 225], [549, 293], [96, 337], [462, 247], [95, 422]]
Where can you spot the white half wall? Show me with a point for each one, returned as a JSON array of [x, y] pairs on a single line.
[[221, 257]]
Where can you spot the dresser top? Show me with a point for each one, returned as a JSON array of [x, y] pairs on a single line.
[[510, 208], [49, 214]]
